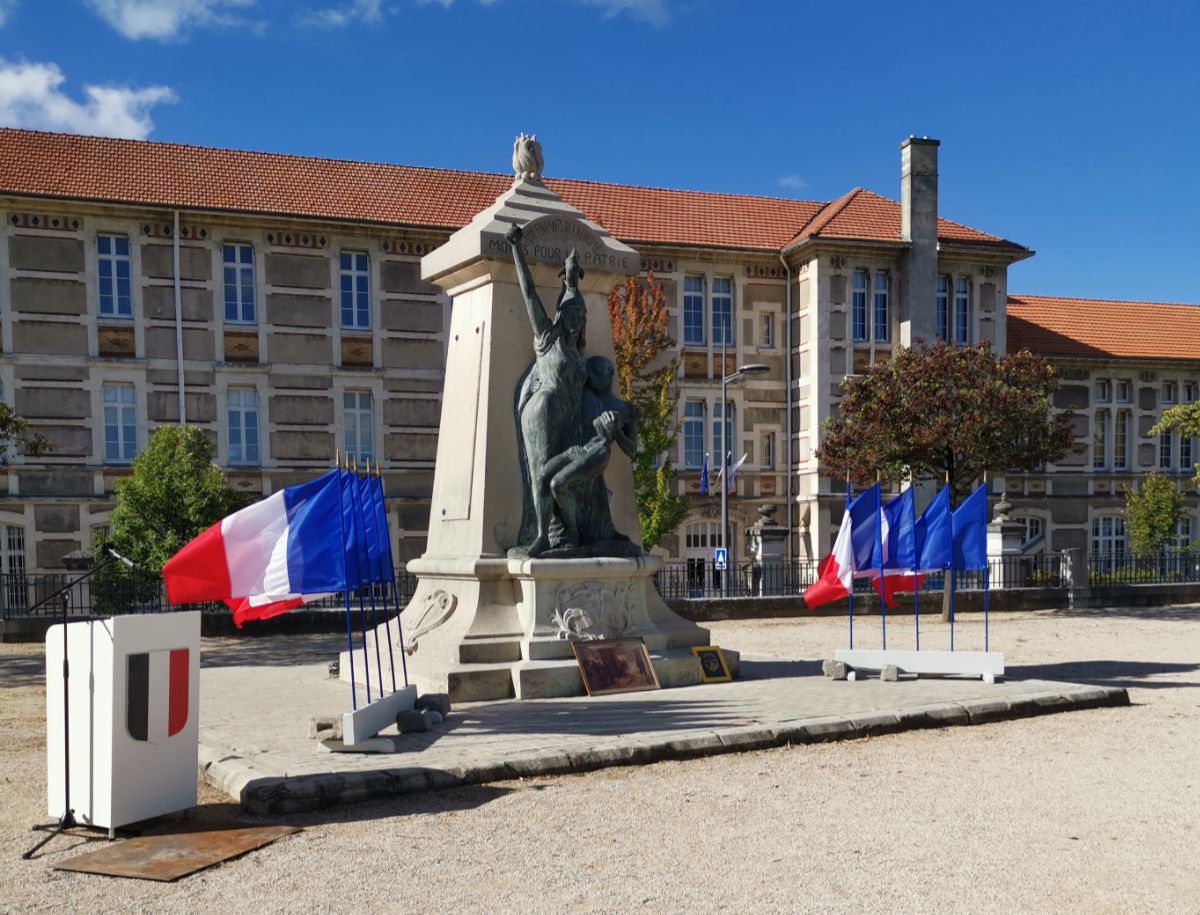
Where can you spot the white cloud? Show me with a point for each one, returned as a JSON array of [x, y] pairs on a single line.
[[651, 11], [6, 8], [31, 96], [355, 11], [793, 182], [164, 19]]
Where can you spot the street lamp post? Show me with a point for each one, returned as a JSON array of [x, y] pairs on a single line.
[[753, 368]]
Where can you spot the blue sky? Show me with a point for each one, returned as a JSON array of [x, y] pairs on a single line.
[[1071, 127]]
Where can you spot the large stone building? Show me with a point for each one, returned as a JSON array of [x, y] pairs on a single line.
[[276, 302]]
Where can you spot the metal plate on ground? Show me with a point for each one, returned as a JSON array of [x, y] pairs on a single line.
[[167, 856]]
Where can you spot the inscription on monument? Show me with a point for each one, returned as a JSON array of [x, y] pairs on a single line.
[[550, 239]]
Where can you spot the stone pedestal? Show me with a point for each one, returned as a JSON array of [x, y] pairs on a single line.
[[481, 625], [767, 541]]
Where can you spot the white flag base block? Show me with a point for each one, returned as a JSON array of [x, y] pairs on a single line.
[[987, 665], [364, 723]]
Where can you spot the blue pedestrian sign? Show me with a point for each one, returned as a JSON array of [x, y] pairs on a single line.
[[719, 559]]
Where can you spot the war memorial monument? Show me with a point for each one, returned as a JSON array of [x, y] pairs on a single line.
[[533, 525]]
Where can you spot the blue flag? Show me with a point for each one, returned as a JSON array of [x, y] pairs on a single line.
[[969, 526], [381, 530], [704, 477], [899, 535], [864, 518], [932, 533], [355, 575], [370, 534]]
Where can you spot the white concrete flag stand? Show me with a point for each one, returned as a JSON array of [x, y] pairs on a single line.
[[987, 665], [134, 721]]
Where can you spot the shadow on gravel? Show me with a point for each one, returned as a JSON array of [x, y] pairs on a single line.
[[1176, 613], [1128, 674], [23, 670], [770, 669], [273, 651], [429, 803]]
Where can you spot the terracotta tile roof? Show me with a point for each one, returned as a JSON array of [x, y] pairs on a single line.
[[861, 214], [168, 174], [1103, 328]]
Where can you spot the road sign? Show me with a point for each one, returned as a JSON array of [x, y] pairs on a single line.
[[719, 559]]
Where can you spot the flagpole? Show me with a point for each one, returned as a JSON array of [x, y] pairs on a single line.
[[850, 597], [337, 463], [382, 542], [879, 547], [370, 578], [986, 563], [360, 540], [724, 465], [395, 590], [950, 571], [362, 616], [912, 506]]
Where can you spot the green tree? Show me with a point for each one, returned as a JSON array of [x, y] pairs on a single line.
[[174, 492], [15, 433], [947, 413], [1182, 420], [638, 313], [1152, 515]]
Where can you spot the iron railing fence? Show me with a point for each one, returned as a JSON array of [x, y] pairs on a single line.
[[37, 596], [700, 579], [1167, 567]]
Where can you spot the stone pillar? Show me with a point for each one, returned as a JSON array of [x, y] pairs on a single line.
[[482, 625], [766, 540], [918, 227]]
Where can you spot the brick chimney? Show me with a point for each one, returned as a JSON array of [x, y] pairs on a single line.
[[918, 226]]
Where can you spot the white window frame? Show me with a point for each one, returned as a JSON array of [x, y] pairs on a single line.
[[1034, 527], [1169, 392], [1102, 390], [243, 288], [693, 431], [881, 307], [125, 410], [242, 416], [1166, 451], [1101, 436], [1121, 428], [359, 285], [860, 327], [768, 451], [721, 304], [354, 435], [693, 306], [1123, 391], [962, 310], [13, 565], [766, 329], [1109, 540], [110, 286]]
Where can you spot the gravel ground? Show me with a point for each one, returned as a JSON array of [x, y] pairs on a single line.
[[1091, 812]]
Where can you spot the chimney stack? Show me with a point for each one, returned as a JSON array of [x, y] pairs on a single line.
[[918, 226]]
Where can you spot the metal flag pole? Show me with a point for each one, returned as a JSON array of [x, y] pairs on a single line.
[[879, 547], [361, 577], [986, 563], [337, 463], [912, 514], [850, 596], [362, 523], [950, 571], [381, 509], [382, 542]]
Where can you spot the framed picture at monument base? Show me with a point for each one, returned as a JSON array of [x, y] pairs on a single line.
[[615, 666], [713, 668]]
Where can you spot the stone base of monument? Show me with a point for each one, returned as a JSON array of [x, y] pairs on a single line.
[[498, 628]]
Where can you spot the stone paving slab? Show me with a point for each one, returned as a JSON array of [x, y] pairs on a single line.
[[254, 742]]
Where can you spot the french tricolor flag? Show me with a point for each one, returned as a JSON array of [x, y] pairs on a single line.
[[269, 557], [851, 551]]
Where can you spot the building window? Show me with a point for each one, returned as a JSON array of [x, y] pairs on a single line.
[[768, 450], [962, 311], [1124, 390], [112, 266], [693, 311], [1034, 529], [1108, 537], [883, 318], [12, 565], [722, 310], [1164, 450], [723, 438], [858, 306], [1183, 534], [1190, 391], [243, 426], [356, 290], [943, 308], [360, 425], [1168, 392], [1100, 433], [1121, 440], [693, 433], [766, 324], [1185, 452], [1103, 391], [120, 423], [238, 263]]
